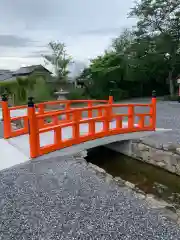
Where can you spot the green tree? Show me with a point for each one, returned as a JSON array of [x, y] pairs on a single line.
[[141, 59], [122, 43], [161, 18], [59, 59], [41, 91], [134, 64], [100, 74]]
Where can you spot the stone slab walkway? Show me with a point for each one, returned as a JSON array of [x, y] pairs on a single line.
[[66, 199]]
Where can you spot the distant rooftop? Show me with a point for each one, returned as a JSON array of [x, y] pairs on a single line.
[[29, 69], [5, 71], [6, 74]]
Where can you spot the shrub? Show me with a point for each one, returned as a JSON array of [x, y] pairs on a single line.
[[76, 94], [120, 94], [41, 91], [171, 98]]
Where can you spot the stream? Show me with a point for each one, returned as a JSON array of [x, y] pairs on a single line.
[[148, 178]]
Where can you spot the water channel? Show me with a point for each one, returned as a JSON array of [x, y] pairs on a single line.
[[149, 179]]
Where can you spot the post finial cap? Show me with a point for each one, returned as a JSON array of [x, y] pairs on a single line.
[[154, 94], [4, 97], [30, 102]]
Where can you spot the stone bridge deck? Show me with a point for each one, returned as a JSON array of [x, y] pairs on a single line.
[[18, 147]]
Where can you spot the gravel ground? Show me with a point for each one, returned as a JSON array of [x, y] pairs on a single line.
[[168, 113], [168, 116], [66, 199]]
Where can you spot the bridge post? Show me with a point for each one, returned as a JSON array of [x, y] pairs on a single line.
[[153, 110], [34, 141], [6, 117], [110, 101]]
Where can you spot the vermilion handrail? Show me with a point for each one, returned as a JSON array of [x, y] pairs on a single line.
[[105, 115], [59, 102], [35, 122], [58, 112], [40, 109], [74, 101]]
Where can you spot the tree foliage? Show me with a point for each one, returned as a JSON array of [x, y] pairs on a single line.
[[141, 59], [59, 59], [161, 19]]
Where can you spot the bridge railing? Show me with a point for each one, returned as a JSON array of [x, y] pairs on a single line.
[[40, 108], [104, 117]]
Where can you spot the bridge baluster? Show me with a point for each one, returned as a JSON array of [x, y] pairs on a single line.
[[90, 115], [57, 131], [76, 127], [107, 117], [141, 122], [57, 136], [119, 123], [100, 112], [92, 128], [55, 120], [130, 116]]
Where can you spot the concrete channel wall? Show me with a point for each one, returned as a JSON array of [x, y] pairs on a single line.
[[164, 156]]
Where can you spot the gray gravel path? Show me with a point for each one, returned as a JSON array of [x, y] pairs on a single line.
[[65, 199], [168, 116], [168, 113]]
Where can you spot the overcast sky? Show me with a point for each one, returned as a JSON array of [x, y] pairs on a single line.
[[85, 26]]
